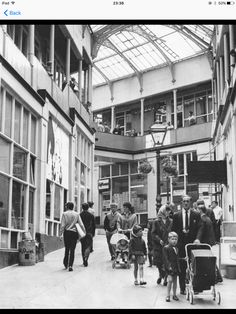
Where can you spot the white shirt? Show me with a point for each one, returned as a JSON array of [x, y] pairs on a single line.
[[218, 212], [183, 216]]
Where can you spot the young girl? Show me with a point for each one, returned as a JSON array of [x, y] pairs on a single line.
[[171, 262], [137, 253]]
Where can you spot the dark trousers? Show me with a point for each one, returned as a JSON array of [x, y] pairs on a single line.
[[70, 240], [86, 245], [110, 246], [217, 230], [182, 275]]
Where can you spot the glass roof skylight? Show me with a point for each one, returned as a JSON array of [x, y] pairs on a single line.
[[127, 49]]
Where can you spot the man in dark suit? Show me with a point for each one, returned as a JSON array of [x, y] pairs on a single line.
[[206, 232], [186, 224]]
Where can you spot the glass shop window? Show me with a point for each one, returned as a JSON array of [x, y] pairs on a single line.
[[57, 202], [17, 122], [4, 200], [19, 163], [8, 115], [25, 128], [18, 205], [48, 199], [105, 171], [5, 149]]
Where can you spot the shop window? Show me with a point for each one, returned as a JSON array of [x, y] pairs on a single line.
[[120, 192], [105, 171], [124, 168], [82, 197], [33, 134], [8, 115], [25, 128], [201, 108], [115, 170], [4, 200], [17, 121], [19, 163], [14, 240], [4, 239], [57, 202], [134, 167], [5, 149], [32, 169], [76, 178], [82, 174], [1, 106], [48, 199], [188, 108], [18, 205]]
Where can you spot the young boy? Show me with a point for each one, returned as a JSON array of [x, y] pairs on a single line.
[[137, 253], [171, 262]]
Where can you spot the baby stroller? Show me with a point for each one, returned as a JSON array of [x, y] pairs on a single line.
[[201, 271], [121, 243]]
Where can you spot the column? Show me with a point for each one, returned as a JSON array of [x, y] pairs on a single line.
[[142, 117], [31, 50], [112, 116], [90, 84], [68, 60], [80, 79], [226, 58], [221, 76], [231, 47], [175, 107], [52, 49], [218, 82], [85, 87]]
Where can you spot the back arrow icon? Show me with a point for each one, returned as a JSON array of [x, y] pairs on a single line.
[[5, 12]]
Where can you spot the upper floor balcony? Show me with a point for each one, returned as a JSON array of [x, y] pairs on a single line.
[[174, 137]]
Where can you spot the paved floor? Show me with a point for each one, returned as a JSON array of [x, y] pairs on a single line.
[[48, 285]]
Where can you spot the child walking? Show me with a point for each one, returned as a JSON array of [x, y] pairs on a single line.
[[171, 262], [137, 253]]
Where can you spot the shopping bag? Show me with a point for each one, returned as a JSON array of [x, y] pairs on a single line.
[[80, 231]]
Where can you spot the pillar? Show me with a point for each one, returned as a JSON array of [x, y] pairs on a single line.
[[80, 79], [52, 49], [175, 107], [218, 83], [68, 60], [226, 58], [221, 76], [90, 84], [142, 117], [231, 47], [31, 50], [85, 87]]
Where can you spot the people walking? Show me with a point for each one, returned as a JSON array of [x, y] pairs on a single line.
[[149, 242], [186, 224], [68, 231], [206, 231], [127, 220], [89, 224], [160, 230], [92, 211], [110, 226], [138, 254], [218, 212], [171, 262]]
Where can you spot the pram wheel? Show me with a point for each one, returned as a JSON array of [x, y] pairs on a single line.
[[218, 298], [191, 297]]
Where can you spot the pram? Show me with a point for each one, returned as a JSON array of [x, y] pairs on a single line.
[[121, 243], [201, 271]]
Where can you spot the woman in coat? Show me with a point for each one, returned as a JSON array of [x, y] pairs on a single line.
[[161, 227]]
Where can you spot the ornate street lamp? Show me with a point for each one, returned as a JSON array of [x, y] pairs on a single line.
[[158, 132]]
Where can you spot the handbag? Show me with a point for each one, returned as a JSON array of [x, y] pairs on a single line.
[[80, 231]]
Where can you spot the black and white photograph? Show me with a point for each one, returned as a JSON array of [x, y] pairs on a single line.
[[117, 164]]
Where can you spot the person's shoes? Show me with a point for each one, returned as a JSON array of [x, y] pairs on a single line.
[[167, 299], [150, 265], [159, 280], [112, 258], [165, 283], [65, 266], [183, 292], [175, 298], [70, 268], [143, 283], [91, 250], [85, 263], [136, 283]]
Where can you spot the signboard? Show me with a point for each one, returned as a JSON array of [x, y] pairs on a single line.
[[103, 184]]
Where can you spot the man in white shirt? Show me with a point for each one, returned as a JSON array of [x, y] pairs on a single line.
[[218, 212]]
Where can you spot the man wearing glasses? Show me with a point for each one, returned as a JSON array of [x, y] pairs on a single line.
[[186, 224]]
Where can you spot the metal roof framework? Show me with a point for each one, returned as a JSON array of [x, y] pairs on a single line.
[[119, 51]]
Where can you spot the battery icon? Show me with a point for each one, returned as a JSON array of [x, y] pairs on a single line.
[[230, 2]]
